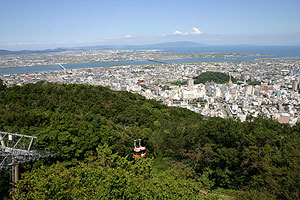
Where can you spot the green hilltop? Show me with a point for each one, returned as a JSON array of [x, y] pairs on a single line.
[[210, 76], [90, 131], [217, 77]]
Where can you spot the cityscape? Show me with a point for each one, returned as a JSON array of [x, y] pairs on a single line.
[[275, 94]]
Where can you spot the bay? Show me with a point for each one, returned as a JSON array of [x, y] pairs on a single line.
[[123, 63], [283, 52]]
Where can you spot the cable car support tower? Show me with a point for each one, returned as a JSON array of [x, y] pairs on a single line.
[[16, 149]]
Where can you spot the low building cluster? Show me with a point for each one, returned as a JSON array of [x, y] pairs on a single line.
[[275, 93]]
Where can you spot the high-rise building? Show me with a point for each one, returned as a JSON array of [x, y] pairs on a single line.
[[280, 107], [261, 76], [190, 83], [295, 85], [284, 118], [229, 84], [248, 90]]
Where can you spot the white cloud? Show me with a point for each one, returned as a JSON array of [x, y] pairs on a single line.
[[60, 42], [128, 36], [18, 43], [100, 41], [115, 38], [180, 33], [196, 31]]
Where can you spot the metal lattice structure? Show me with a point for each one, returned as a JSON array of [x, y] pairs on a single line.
[[16, 150]]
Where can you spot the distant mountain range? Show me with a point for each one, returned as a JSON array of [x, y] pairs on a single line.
[[180, 46], [146, 46], [7, 52], [104, 47]]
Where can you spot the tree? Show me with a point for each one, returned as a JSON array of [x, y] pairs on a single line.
[[2, 85]]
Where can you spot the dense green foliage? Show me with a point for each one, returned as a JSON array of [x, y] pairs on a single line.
[[260, 156], [2, 85], [179, 83], [254, 83], [109, 176], [217, 77]]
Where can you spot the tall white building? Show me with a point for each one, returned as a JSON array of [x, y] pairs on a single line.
[[295, 85], [190, 83], [248, 90]]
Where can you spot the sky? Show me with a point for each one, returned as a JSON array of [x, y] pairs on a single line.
[[42, 24]]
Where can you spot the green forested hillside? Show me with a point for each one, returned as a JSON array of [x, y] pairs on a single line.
[[90, 131], [217, 77]]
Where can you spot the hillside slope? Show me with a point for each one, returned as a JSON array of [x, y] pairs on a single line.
[[259, 156]]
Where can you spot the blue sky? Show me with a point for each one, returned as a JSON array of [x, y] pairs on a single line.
[[40, 24]]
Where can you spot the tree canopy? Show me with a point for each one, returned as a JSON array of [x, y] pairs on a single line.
[[217, 77], [90, 131]]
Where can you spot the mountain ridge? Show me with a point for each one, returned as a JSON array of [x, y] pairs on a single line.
[[106, 47], [8, 52]]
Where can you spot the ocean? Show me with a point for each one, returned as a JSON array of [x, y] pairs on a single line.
[[275, 51]]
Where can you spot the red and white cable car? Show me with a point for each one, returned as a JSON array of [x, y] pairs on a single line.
[[139, 151]]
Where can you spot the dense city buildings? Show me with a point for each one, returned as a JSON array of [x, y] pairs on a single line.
[[266, 87]]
